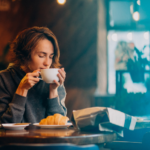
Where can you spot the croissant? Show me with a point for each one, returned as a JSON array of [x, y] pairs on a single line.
[[56, 119], [43, 122], [50, 120]]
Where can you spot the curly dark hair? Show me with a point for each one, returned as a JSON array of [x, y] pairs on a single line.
[[27, 40]]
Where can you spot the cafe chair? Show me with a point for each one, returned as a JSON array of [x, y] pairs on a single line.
[[48, 147], [146, 141]]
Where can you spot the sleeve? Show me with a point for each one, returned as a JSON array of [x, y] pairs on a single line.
[[57, 105], [11, 107]]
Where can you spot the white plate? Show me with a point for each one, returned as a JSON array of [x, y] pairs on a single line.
[[53, 126], [12, 126]]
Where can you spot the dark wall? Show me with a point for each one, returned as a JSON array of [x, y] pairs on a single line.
[[75, 26]]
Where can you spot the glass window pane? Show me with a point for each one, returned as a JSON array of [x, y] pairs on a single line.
[[119, 13], [122, 47]]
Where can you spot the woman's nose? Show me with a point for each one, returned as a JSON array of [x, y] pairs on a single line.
[[47, 62]]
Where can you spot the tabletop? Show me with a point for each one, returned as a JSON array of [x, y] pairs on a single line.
[[67, 135]]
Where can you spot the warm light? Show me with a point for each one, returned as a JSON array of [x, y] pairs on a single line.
[[136, 16], [111, 23], [129, 36], [61, 2], [114, 37], [131, 8], [146, 35], [108, 37], [138, 2]]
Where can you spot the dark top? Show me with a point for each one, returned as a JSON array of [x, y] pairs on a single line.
[[36, 106]]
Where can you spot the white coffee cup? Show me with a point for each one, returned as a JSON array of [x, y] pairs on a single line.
[[49, 75]]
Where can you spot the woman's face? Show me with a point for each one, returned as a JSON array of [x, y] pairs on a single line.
[[41, 55]]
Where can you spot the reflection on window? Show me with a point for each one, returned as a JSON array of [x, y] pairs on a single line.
[[129, 14], [132, 86], [120, 13], [128, 56]]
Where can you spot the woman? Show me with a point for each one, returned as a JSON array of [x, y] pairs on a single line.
[[23, 96]]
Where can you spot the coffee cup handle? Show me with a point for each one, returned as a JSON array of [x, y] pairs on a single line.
[[39, 77]]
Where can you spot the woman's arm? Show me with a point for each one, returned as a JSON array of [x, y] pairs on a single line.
[[28, 81], [11, 106], [12, 100], [57, 104]]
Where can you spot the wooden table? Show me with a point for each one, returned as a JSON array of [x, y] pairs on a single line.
[[68, 135]]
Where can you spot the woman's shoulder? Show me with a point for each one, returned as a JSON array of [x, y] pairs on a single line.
[[4, 72], [10, 77], [5, 77], [8, 72]]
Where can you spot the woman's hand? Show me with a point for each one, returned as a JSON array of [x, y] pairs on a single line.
[[29, 80], [53, 86]]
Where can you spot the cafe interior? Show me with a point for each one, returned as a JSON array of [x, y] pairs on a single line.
[[104, 48]]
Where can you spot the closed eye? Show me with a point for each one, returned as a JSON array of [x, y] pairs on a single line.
[[42, 55], [51, 57]]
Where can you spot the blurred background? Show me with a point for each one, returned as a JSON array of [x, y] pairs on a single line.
[[104, 46]]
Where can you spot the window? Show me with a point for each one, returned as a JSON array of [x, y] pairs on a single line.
[[128, 45]]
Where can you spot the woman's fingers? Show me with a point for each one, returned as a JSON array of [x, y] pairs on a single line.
[[62, 73], [57, 83], [31, 79], [33, 74], [35, 79], [28, 81], [61, 79]]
